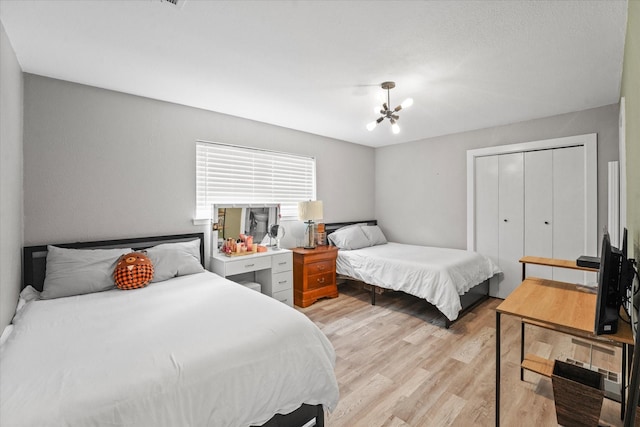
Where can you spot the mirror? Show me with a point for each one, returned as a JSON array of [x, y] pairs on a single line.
[[251, 220]]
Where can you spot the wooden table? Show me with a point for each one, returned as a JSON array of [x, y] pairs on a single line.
[[532, 362], [563, 307], [552, 262]]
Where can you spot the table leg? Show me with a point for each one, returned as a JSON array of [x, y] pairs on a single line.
[[497, 369], [521, 350], [524, 271], [623, 374]]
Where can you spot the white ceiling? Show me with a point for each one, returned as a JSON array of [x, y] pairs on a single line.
[[316, 66]]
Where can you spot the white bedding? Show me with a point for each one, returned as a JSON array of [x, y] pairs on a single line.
[[439, 275], [196, 350]]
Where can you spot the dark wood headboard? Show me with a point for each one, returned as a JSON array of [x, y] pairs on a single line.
[[35, 257], [333, 226]]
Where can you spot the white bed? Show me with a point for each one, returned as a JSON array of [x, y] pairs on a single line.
[[439, 275], [196, 350]]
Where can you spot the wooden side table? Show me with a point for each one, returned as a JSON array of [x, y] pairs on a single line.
[[314, 274]]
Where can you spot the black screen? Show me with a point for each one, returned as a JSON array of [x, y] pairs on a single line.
[[609, 293]]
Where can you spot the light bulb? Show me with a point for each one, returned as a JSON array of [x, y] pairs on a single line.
[[407, 103], [395, 128], [371, 126]]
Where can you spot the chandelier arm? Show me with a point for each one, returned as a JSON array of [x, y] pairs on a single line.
[[388, 97]]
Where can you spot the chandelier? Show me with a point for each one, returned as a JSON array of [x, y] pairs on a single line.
[[390, 114]]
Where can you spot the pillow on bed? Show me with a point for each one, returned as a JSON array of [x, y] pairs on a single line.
[[79, 271], [374, 235], [175, 259], [134, 270], [349, 237]]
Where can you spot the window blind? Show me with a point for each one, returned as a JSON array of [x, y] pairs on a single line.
[[233, 174]]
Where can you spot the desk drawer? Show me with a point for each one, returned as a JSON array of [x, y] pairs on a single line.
[[284, 296], [282, 262], [321, 280], [282, 281], [246, 265], [320, 267]]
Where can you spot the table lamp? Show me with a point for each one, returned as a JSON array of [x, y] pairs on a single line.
[[310, 211]]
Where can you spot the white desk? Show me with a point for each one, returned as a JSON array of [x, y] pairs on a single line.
[[272, 269]]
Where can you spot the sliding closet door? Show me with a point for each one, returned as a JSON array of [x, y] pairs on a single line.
[[538, 209], [569, 228], [510, 221], [486, 217], [545, 206]]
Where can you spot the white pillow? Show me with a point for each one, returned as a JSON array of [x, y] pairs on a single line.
[[374, 235], [349, 237], [175, 259], [79, 271]]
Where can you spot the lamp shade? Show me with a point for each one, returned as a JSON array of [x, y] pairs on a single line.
[[310, 210]]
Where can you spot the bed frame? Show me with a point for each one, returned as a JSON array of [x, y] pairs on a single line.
[[34, 272], [35, 256], [469, 300]]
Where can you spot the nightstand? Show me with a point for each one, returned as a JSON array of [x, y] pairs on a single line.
[[314, 274]]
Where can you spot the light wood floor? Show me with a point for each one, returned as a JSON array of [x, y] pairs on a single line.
[[398, 366]]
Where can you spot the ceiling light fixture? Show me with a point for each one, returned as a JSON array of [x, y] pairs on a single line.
[[390, 114]]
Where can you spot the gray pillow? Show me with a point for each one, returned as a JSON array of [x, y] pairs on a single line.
[[79, 271], [374, 235], [175, 259], [349, 237]]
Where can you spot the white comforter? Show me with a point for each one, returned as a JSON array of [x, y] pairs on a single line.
[[438, 275], [197, 350]]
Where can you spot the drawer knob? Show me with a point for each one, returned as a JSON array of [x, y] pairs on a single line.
[[281, 282], [321, 280], [321, 267], [282, 263], [248, 265]]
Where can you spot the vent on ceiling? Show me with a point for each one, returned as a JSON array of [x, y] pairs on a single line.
[[176, 3]]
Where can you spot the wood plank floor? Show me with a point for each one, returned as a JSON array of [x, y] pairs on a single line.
[[398, 366]]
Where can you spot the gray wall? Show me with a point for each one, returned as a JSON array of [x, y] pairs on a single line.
[[431, 207], [11, 235], [101, 164]]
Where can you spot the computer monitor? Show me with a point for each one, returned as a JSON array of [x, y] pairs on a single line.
[[610, 294]]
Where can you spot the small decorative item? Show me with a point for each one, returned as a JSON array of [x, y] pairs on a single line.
[[134, 270], [276, 232]]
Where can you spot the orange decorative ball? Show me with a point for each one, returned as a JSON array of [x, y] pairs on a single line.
[[134, 270]]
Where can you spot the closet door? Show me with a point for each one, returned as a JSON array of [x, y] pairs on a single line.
[[510, 221], [538, 209], [569, 222], [486, 211]]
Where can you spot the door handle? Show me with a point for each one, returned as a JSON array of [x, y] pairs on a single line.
[[546, 222], [505, 220]]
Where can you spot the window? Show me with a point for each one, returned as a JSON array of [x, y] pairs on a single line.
[[233, 174]]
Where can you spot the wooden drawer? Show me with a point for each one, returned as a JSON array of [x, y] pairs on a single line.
[[282, 281], [321, 280], [314, 274], [320, 267], [282, 262], [246, 265]]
